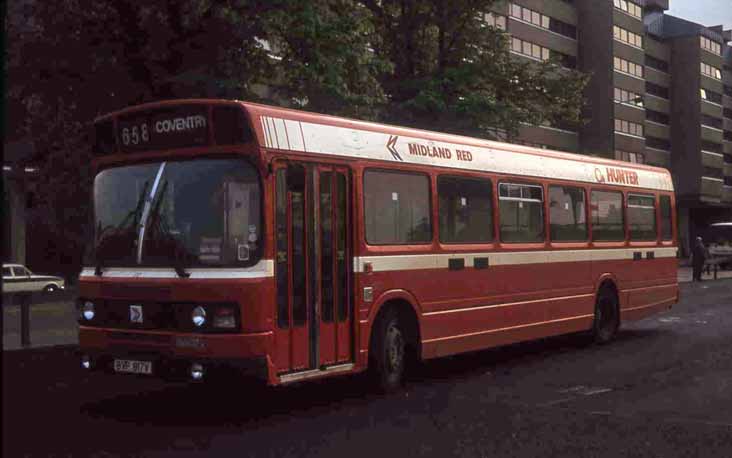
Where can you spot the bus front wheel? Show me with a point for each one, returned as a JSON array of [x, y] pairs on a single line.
[[389, 352], [607, 319]]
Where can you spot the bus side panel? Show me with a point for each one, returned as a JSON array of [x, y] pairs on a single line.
[[512, 302], [641, 283]]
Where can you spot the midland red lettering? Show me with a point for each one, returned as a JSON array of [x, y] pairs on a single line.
[[421, 150], [463, 155]]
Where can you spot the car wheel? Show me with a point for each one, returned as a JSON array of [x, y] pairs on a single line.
[[389, 356], [50, 288]]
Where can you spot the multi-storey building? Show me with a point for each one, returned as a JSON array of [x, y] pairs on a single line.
[[660, 91]]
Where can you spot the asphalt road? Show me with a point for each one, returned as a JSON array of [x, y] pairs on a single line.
[[662, 389]]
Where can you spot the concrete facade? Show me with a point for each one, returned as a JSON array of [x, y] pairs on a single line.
[[660, 93]]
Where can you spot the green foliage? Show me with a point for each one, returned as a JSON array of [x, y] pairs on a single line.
[[431, 64], [453, 71]]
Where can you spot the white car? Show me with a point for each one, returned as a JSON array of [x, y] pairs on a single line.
[[17, 278]]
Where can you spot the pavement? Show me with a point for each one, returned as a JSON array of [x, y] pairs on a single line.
[[54, 322], [663, 388]]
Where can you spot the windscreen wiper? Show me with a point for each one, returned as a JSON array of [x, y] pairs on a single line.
[[125, 223], [161, 228], [146, 211]]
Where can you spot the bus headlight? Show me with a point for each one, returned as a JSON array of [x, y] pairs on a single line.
[[87, 311], [224, 317], [198, 316]]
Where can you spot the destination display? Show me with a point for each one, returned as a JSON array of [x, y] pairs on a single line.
[[164, 128]]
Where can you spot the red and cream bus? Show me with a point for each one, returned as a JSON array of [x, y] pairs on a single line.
[[231, 236]]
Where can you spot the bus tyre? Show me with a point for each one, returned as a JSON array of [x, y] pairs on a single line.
[[607, 319], [389, 352]]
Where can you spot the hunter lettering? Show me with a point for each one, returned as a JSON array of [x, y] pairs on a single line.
[[620, 176]]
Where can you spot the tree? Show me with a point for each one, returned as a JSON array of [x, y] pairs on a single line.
[[454, 71], [71, 61]]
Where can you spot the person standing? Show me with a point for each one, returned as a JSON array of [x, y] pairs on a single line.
[[698, 257]]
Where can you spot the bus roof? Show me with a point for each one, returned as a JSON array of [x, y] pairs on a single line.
[[299, 131], [313, 133]]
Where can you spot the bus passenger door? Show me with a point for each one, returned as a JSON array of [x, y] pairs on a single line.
[[312, 267], [292, 333], [334, 266]]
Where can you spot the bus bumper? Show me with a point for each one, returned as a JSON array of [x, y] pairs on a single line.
[[177, 357]]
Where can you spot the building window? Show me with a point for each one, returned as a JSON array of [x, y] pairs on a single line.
[[628, 67], [728, 158], [397, 207], [727, 113], [635, 158], [641, 217], [711, 146], [627, 37], [521, 213], [728, 181], [534, 51], [658, 64], [711, 121], [655, 89], [567, 220], [658, 143], [607, 216], [562, 28], [542, 21], [623, 96], [656, 116], [495, 20], [465, 210], [727, 135], [666, 223], [713, 172], [628, 127], [566, 60], [629, 7], [529, 49], [727, 90], [711, 46], [711, 71], [711, 96]]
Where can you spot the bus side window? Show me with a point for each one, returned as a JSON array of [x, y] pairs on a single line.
[[567, 222], [666, 223], [642, 217], [607, 216], [465, 210], [396, 208], [521, 209]]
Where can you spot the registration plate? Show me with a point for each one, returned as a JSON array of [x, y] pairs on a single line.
[[133, 367]]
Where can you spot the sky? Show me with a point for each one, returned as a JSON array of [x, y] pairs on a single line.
[[705, 12]]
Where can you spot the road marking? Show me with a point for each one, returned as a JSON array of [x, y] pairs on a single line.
[[575, 392], [669, 319], [586, 390]]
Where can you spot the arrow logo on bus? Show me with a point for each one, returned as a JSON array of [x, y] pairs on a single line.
[[391, 146]]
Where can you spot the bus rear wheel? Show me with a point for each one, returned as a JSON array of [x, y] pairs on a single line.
[[389, 352], [607, 319]]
